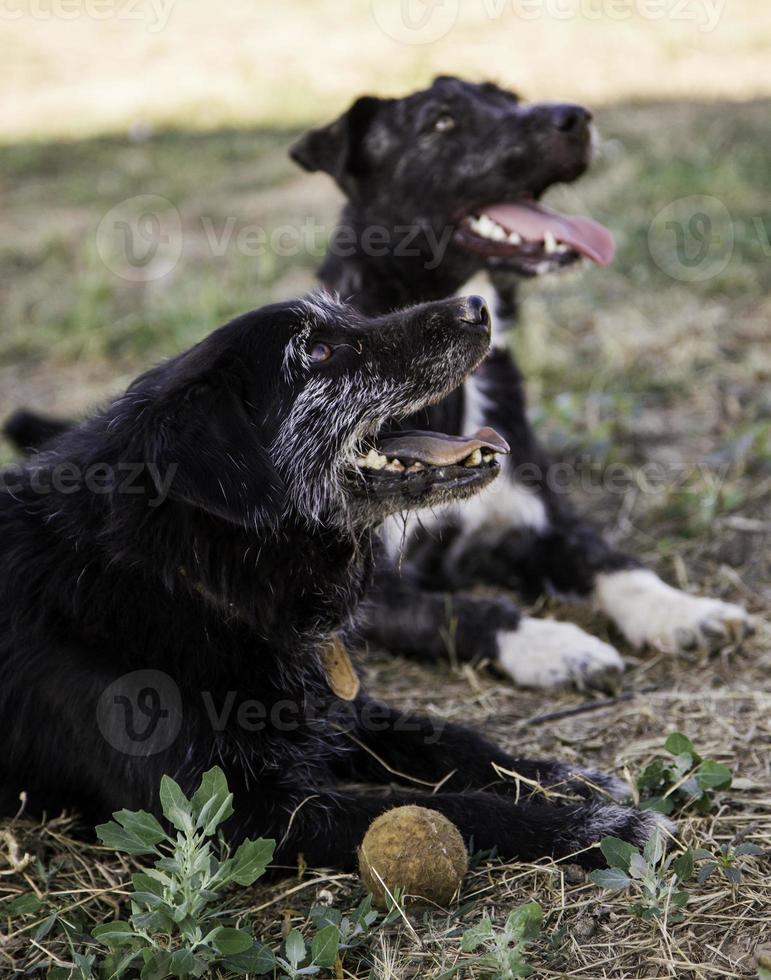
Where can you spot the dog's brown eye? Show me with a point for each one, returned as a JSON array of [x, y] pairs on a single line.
[[320, 352], [444, 123]]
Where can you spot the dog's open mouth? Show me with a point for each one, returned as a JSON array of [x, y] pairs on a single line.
[[413, 461], [534, 238]]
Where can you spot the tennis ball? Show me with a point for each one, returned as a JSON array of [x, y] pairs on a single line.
[[415, 849]]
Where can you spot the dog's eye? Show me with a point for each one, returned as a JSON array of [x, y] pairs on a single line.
[[444, 123], [319, 352]]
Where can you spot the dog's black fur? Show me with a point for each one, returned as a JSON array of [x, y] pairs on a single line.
[[241, 544]]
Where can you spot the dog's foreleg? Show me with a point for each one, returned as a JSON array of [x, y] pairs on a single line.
[[385, 745], [326, 828], [433, 626]]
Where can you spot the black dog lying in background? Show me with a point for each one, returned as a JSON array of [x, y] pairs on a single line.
[[172, 572], [441, 185]]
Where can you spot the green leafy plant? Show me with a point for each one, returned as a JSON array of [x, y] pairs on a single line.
[[685, 781], [725, 861], [653, 876], [335, 935], [500, 952], [177, 925]]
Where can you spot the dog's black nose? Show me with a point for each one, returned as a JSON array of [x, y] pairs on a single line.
[[474, 310], [569, 118]]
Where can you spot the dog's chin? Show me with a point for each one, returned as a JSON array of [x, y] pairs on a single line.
[[411, 470]]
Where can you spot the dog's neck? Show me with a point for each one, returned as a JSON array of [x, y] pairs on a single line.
[[380, 266]]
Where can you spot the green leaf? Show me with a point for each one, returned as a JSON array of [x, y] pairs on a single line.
[[26, 904], [176, 806], [516, 964], [476, 935], [212, 803], [157, 965], [119, 839], [115, 964], [322, 915], [524, 923], [258, 960], [295, 948], [639, 867], [705, 871], [46, 926], [734, 875], [713, 775], [679, 899], [618, 853], [155, 920], [751, 849], [251, 859], [683, 865], [324, 947], [230, 941], [654, 848], [612, 879], [679, 744], [142, 825], [658, 804], [114, 934], [183, 963]]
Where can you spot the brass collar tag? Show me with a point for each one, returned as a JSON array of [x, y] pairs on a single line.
[[342, 678]]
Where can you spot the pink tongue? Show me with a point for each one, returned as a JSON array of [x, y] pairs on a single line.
[[532, 221]]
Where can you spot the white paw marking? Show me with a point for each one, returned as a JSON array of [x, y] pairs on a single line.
[[546, 653], [617, 789], [651, 613], [608, 820]]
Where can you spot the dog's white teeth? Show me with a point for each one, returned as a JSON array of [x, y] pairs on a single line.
[[488, 457], [394, 466], [485, 227], [515, 238], [415, 468], [562, 248], [474, 459], [549, 243], [372, 461]]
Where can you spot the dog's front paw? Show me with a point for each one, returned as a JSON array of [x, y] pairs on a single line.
[[597, 820], [651, 613], [545, 653]]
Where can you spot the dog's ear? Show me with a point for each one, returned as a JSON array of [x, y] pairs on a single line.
[[338, 148], [206, 451]]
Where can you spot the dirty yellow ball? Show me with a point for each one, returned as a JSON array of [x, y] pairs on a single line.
[[415, 849]]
